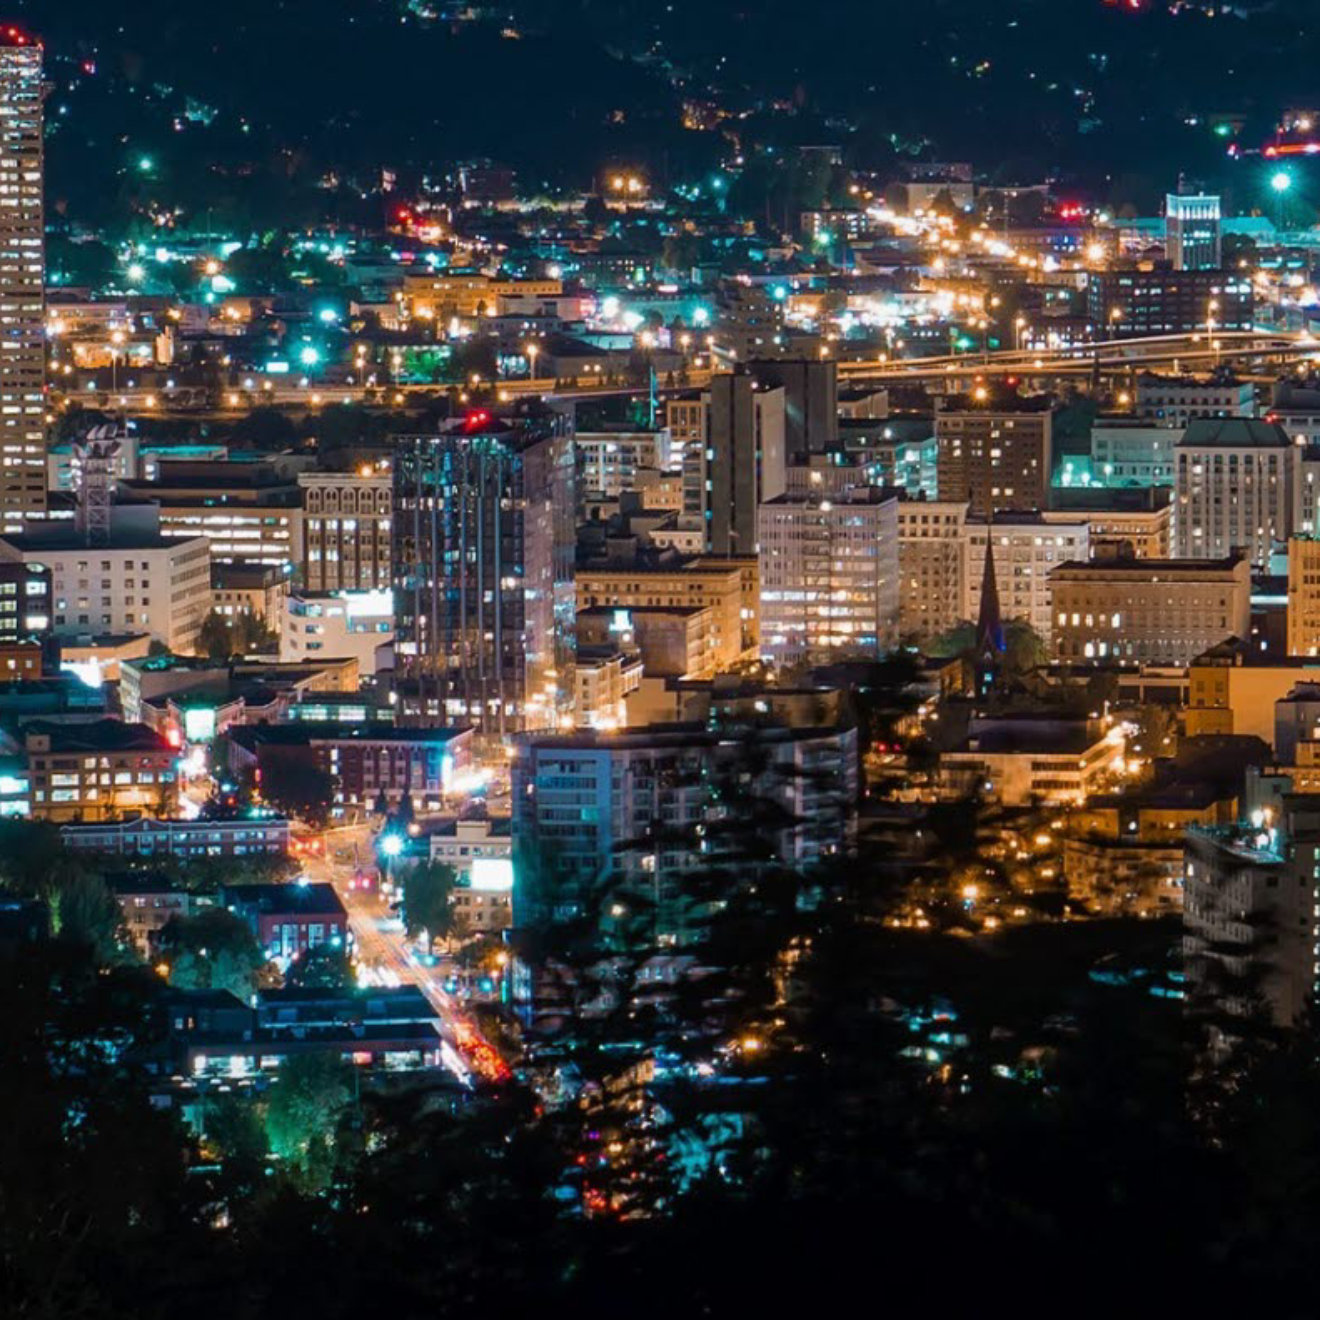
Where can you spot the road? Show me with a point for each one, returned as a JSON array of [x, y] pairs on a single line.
[[382, 946]]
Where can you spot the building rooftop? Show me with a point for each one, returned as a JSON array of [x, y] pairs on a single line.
[[63, 538], [1233, 433], [297, 898], [306, 732], [97, 736]]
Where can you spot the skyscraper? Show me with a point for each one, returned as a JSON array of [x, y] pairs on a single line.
[[483, 538], [743, 463], [1191, 231], [22, 283]]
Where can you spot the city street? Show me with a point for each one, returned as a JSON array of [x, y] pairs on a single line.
[[383, 948]]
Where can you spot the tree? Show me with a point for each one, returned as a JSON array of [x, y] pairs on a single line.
[[427, 900], [305, 1102], [215, 950], [321, 967], [296, 786], [213, 636], [267, 429], [89, 913], [222, 636]]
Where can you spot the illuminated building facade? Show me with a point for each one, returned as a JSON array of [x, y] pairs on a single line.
[[1191, 231], [1235, 482], [22, 284], [484, 543], [994, 461], [829, 576], [342, 539], [1154, 611]]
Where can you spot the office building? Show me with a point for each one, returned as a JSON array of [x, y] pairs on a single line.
[[829, 576], [99, 770], [22, 284], [672, 641], [484, 540], [1304, 596], [1132, 453], [1139, 301], [811, 402], [931, 566], [25, 603], [1140, 517], [1176, 400], [609, 462], [131, 583], [342, 539], [1026, 550], [743, 464], [599, 812], [994, 460], [1191, 231], [1148, 611], [731, 588], [343, 623], [1235, 482], [246, 511]]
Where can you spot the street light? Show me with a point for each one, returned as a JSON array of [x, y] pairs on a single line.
[[1281, 182], [532, 351]]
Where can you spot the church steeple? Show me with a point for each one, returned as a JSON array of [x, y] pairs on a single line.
[[989, 624]]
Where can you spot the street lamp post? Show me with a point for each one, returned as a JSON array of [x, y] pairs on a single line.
[[1281, 182]]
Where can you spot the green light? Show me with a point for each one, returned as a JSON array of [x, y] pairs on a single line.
[[145, 164]]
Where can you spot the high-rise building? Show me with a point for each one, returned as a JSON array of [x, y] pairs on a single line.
[[1235, 481], [829, 575], [811, 402], [744, 461], [994, 460], [1026, 551], [1191, 231], [341, 541], [931, 566], [22, 284], [483, 557]]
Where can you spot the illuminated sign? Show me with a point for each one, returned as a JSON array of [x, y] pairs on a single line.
[[492, 875], [199, 724]]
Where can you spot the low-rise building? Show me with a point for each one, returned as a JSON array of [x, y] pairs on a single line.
[[145, 836], [149, 903], [342, 623], [288, 919], [1019, 761], [1159, 611], [99, 770], [366, 761], [481, 853]]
